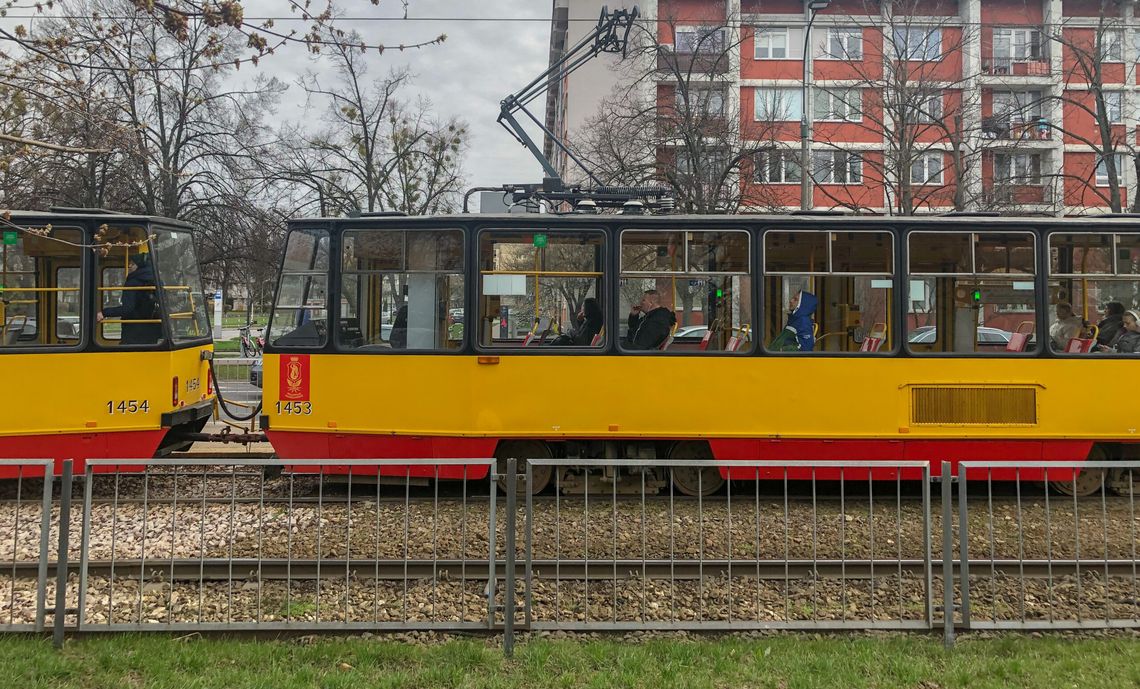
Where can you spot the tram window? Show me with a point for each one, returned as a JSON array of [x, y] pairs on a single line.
[[183, 301], [537, 287], [131, 307], [701, 277], [1094, 276], [828, 292], [300, 314], [972, 293], [40, 293], [402, 290]]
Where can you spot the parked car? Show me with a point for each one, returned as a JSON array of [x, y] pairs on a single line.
[[987, 337], [255, 373], [690, 333]]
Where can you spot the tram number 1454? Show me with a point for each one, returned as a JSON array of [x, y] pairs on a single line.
[[294, 408], [128, 406]]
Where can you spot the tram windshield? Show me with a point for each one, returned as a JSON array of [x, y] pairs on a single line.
[[183, 301], [828, 291], [40, 283], [972, 292], [300, 314], [536, 288]]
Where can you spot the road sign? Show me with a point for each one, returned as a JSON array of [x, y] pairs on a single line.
[[10, 237], [540, 241]]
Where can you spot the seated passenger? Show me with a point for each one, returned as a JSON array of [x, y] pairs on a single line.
[[137, 305], [1067, 326], [649, 322], [1129, 340], [588, 323], [799, 334], [1111, 326]]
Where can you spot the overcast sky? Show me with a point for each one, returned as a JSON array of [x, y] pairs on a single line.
[[480, 63]]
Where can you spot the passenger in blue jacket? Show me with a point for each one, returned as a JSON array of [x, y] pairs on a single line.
[[799, 333]]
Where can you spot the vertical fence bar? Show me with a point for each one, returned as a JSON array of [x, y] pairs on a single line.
[[928, 564], [528, 547], [509, 593], [947, 558], [61, 555], [45, 546], [964, 545], [84, 549]]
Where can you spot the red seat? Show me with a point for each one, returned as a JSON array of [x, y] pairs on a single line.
[[871, 344], [1079, 346], [597, 340], [705, 340], [1017, 342]]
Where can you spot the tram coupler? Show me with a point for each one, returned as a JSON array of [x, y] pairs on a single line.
[[225, 437]]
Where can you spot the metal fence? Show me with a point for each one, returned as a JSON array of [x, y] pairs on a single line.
[[383, 545], [232, 369]]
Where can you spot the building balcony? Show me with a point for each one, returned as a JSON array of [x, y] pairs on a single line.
[[1017, 67], [1008, 194], [1017, 130]]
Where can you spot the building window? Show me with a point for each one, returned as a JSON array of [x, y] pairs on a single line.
[[1112, 46], [843, 43], [1102, 170], [779, 105], [772, 44], [844, 105], [1114, 106], [709, 164], [1017, 168], [928, 110], [703, 40], [705, 100], [837, 167], [1019, 106], [1017, 44], [777, 167], [916, 43], [926, 169]]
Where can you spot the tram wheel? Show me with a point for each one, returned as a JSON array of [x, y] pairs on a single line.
[[695, 480], [1087, 482], [523, 450]]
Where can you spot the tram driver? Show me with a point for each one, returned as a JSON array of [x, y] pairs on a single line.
[[649, 322], [137, 303]]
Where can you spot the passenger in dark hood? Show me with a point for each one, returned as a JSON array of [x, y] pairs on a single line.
[[799, 333], [137, 304], [1111, 326], [649, 322]]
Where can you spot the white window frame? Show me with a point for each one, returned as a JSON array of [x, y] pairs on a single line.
[[919, 44], [852, 166], [846, 36], [930, 111], [1018, 169], [1032, 110], [703, 95], [768, 33], [760, 99], [762, 162], [706, 47], [849, 100], [1114, 104], [1018, 44], [929, 160], [1110, 39], [1102, 180]]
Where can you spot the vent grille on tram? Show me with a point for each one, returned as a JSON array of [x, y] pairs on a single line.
[[973, 405]]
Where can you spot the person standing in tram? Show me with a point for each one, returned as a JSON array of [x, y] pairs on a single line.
[[799, 334], [137, 304], [649, 322]]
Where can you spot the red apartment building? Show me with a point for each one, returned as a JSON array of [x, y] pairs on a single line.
[[999, 97]]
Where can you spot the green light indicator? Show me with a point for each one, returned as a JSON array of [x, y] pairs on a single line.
[[977, 296], [719, 293], [10, 237], [540, 241]]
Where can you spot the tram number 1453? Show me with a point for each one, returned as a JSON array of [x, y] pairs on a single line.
[[128, 406], [294, 408]]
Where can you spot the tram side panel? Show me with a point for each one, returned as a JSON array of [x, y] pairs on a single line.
[[99, 405], [346, 406]]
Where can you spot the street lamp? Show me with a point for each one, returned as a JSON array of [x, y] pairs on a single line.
[[813, 6]]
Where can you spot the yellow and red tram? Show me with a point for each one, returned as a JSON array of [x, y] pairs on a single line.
[[132, 384], [933, 339]]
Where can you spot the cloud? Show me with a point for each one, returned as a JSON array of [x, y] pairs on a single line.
[[480, 63]]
